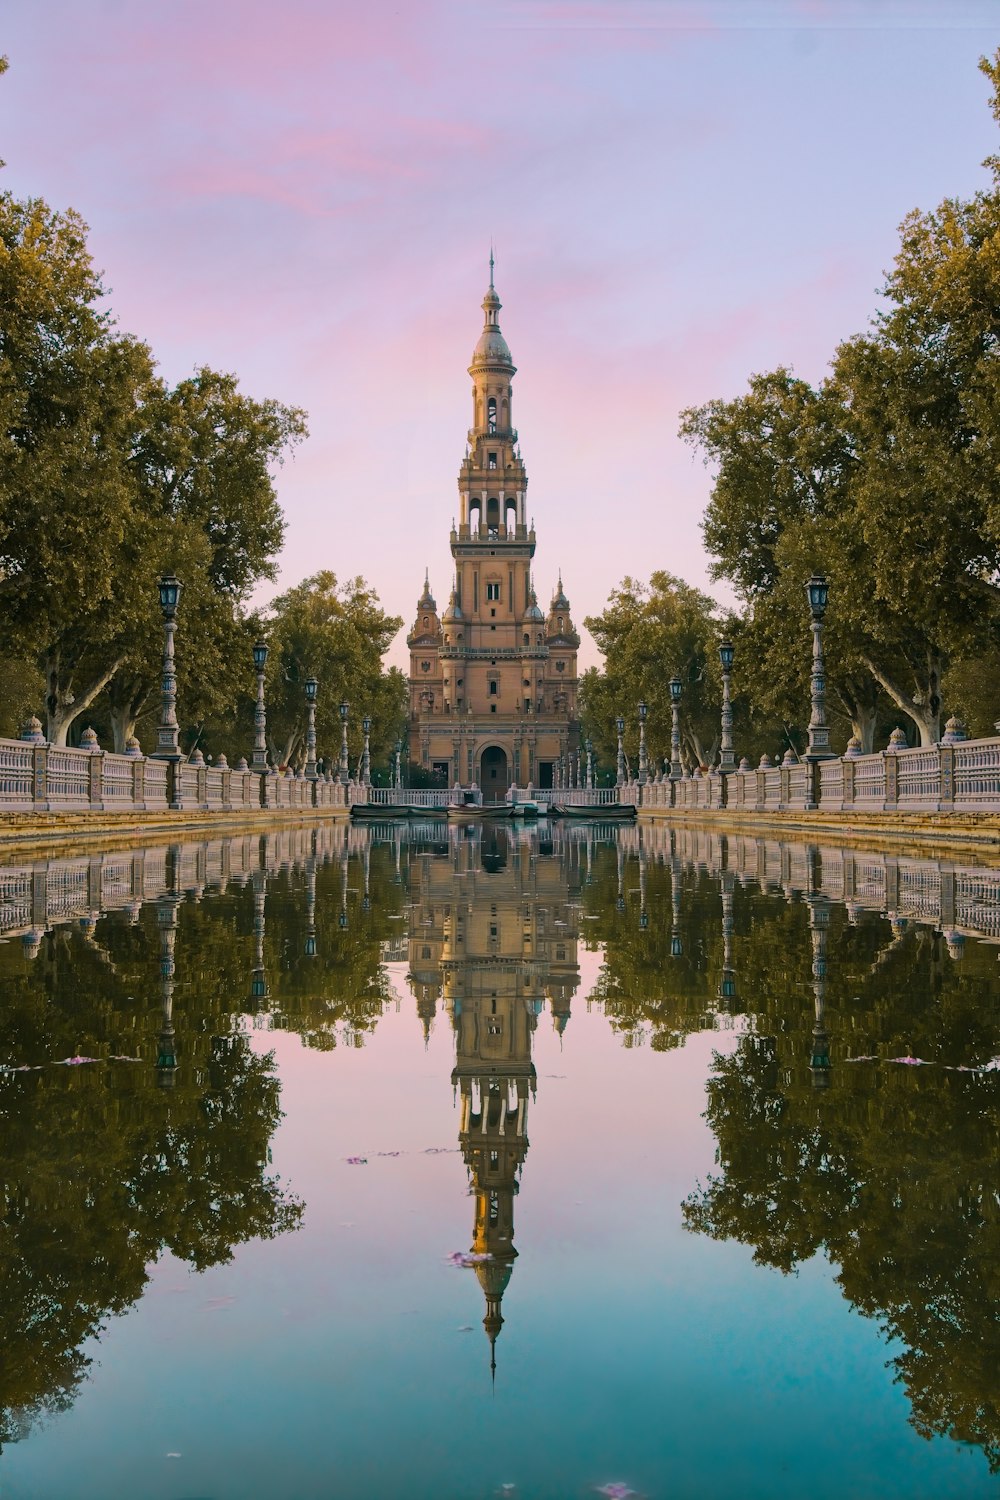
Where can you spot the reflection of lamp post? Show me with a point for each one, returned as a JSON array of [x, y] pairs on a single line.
[[676, 946], [310, 947], [819, 923], [727, 985], [590, 764], [166, 1054], [817, 591], [258, 979], [344, 768], [259, 761], [727, 760], [366, 760], [643, 763], [311, 686], [643, 914], [620, 726], [342, 919], [676, 769], [168, 732], [620, 903]]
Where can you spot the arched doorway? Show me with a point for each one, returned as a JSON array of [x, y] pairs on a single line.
[[494, 778]]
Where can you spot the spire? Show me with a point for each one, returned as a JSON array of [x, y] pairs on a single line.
[[426, 600], [491, 265]]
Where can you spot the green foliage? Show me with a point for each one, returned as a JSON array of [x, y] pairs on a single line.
[[107, 479], [647, 633], [337, 633], [885, 477]]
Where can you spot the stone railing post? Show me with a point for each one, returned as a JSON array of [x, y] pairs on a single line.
[[96, 778], [40, 775], [139, 782], [954, 733], [946, 776]]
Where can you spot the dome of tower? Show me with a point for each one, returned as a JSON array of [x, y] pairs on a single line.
[[453, 612], [559, 600], [492, 348], [533, 612]]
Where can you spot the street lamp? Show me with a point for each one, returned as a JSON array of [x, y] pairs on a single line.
[[727, 760], [366, 760], [311, 687], [643, 763], [817, 592], [259, 760], [167, 733], [620, 726], [397, 775], [344, 768], [676, 769], [590, 764]]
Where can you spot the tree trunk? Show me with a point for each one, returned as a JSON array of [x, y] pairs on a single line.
[[126, 700], [62, 706], [860, 704], [926, 715]]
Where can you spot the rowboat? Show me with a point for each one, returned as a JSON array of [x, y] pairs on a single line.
[[469, 813], [614, 812]]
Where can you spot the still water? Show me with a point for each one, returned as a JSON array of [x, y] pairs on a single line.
[[431, 1162]]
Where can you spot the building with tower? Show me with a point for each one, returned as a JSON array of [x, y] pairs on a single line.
[[493, 679]]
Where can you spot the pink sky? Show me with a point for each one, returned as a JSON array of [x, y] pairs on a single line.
[[680, 194]]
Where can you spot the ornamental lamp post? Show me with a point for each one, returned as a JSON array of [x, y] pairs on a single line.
[[168, 733], [676, 769], [590, 764], [366, 760], [259, 761], [643, 762], [397, 768], [311, 687], [344, 767], [818, 592], [620, 726], [727, 760]]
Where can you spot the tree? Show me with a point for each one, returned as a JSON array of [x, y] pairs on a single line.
[[885, 476], [647, 633], [203, 461], [337, 633], [108, 478]]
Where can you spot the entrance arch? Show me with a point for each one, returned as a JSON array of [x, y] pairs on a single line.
[[494, 773]]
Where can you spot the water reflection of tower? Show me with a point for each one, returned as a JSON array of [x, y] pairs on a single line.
[[493, 932]]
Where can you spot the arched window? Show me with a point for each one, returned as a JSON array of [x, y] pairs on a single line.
[[527, 639], [491, 414], [426, 622], [560, 624]]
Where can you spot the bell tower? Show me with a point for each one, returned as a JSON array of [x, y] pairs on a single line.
[[504, 709]]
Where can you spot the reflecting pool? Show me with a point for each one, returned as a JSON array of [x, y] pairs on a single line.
[[423, 1161]]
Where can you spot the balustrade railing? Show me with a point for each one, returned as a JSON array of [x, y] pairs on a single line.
[[35, 776]]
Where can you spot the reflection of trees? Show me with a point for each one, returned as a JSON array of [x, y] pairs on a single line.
[[662, 932], [328, 973], [891, 1171], [107, 1165], [103, 1168]]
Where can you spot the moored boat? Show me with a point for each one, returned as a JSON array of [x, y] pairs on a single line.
[[614, 812]]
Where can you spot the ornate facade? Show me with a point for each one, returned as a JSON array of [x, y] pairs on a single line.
[[493, 680]]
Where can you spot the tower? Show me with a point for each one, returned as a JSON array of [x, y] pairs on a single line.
[[493, 683]]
